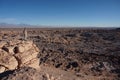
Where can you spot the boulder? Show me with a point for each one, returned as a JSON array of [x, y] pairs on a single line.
[[24, 46], [26, 56], [8, 60], [18, 54]]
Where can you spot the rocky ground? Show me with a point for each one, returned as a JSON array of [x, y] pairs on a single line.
[[70, 54]]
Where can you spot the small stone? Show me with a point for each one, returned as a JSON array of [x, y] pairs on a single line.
[[2, 43], [2, 69], [9, 49], [108, 66]]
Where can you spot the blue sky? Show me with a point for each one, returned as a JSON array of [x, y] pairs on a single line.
[[101, 13]]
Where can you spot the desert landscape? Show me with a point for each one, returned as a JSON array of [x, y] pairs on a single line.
[[60, 54], [59, 39]]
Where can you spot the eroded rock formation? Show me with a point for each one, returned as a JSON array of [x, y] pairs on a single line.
[[18, 53]]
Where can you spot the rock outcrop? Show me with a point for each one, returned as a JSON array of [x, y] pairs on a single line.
[[18, 53]]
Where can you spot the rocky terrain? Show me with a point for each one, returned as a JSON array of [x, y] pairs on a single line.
[[18, 53], [64, 54]]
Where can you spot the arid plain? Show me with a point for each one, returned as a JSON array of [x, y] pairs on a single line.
[[68, 53]]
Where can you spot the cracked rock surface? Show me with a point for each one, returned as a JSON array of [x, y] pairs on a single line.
[[16, 54]]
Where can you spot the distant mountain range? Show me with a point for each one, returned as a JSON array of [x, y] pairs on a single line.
[[6, 25]]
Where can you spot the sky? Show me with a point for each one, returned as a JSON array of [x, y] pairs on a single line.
[[94, 13]]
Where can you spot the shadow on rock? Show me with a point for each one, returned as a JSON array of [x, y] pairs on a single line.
[[6, 73]]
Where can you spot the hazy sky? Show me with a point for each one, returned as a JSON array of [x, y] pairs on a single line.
[[61, 12]]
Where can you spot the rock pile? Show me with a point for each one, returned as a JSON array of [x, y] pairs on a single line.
[[16, 54]]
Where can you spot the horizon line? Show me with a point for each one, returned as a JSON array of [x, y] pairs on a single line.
[[52, 26]]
